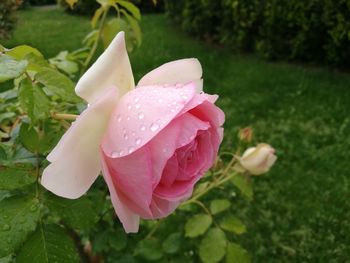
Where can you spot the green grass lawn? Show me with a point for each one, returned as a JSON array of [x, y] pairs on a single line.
[[301, 210]]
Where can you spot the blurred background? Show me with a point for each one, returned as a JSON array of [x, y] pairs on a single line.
[[280, 67]]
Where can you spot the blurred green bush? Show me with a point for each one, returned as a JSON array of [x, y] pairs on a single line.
[[311, 31], [88, 7], [7, 16], [40, 2]]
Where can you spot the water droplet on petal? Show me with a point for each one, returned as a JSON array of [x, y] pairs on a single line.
[[138, 105], [138, 141], [185, 97], [165, 150], [126, 136], [131, 149], [160, 100], [141, 115], [129, 106], [136, 100], [119, 118], [154, 127], [133, 133], [115, 154], [142, 127]]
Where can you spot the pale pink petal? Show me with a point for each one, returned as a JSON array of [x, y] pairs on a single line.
[[128, 218], [111, 68], [175, 72], [132, 175], [141, 114], [75, 160], [162, 208]]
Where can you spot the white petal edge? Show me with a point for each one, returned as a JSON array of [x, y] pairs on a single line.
[[175, 72], [76, 159], [111, 68]]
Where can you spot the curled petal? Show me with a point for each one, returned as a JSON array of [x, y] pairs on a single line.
[[171, 73], [129, 219], [111, 68], [75, 161]]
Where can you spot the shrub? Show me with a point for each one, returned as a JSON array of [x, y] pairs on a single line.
[[88, 7], [41, 2], [311, 31], [7, 16]]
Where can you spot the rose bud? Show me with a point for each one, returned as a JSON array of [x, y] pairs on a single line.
[[258, 160], [245, 134], [152, 142]]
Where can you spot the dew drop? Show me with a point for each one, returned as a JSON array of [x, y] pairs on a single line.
[[165, 150], [160, 100], [131, 149], [129, 106], [115, 154], [138, 105], [121, 152], [172, 110], [141, 115], [133, 133], [154, 127], [185, 97], [136, 100], [138, 141], [126, 136], [128, 118], [142, 127]]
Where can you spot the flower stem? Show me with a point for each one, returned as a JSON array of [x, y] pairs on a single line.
[[64, 116]]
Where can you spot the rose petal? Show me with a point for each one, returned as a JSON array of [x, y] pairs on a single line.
[[111, 68], [141, 114], [75, 160], [128, 218], [175, 72]]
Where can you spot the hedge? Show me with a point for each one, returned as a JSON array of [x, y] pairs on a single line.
[[8, 17], [310, 31]]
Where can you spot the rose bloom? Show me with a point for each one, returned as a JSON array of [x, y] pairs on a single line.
[[258, 160], [153, 142]]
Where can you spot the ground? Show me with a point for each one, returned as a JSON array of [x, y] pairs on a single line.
[[301, 209]]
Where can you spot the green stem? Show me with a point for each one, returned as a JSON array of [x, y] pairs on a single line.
[[213, 185], [95, 45], [64, 116]]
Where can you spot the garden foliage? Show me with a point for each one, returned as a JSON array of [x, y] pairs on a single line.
[[310, 31], [7, 16], [36, 226]]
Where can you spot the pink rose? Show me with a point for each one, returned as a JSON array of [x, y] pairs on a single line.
[[152, 142]]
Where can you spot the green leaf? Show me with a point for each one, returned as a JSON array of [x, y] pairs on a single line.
[[111, 28], [134, 10], [135, 26], [213, 246], [172, 243], [233, 224], [33, 100], [197, 225], [36, 63], [219, 205], [117, 239], [15, 177], [236, 254], [18, 217], [62, 62], [71, 3], [21, 51], [29, 137], [7, 259], [244, 185], [58, 84], [11, 68], [78, 214], [49, 243], [96, 16], [149, 249]]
